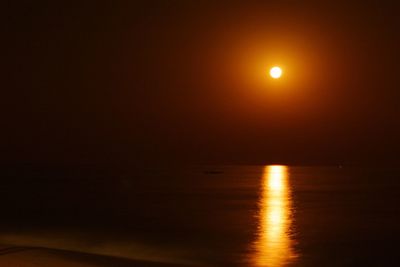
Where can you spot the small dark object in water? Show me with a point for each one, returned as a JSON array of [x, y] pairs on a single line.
[[213, 172]]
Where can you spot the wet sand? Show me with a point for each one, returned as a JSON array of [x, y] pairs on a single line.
[[42, 257]]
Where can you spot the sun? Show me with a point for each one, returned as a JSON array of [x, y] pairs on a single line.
[[275, 72]]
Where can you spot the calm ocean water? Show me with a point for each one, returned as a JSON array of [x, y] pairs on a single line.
[[210, 215]]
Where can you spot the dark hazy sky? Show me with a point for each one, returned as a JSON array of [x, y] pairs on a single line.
[[133, 81]]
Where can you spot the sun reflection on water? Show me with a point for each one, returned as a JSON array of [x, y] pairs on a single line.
[[273, 246]]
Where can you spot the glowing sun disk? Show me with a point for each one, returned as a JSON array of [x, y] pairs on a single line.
[[275, 72]]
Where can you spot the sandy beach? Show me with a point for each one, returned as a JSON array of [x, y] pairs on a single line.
[[41, 257]]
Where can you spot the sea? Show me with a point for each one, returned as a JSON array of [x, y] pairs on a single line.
[[208, 215]]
